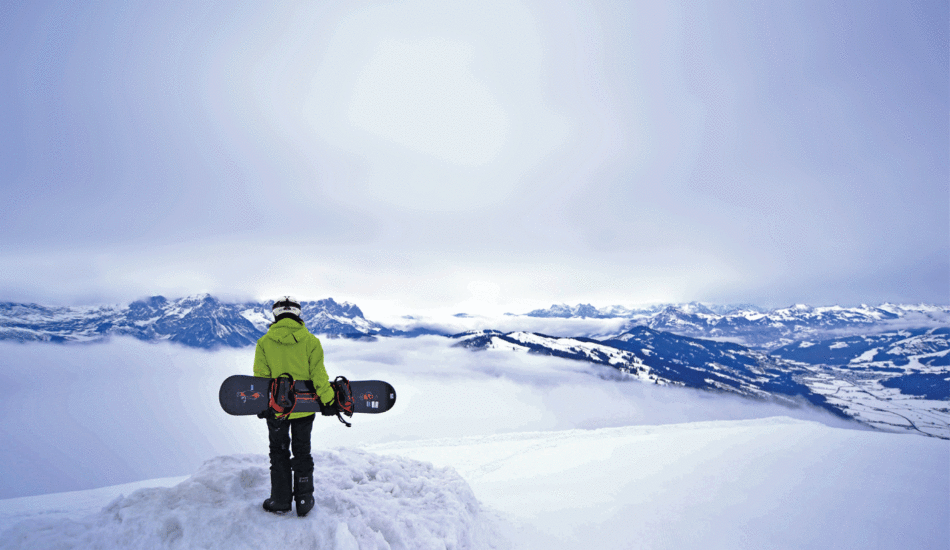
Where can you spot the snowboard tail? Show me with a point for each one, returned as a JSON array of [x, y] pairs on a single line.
[[242, 395]]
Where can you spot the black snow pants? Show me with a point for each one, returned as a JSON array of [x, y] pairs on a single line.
[[286, 436]]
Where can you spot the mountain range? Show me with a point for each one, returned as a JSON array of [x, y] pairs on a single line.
[[852, 362], [207, 322], [761, 328], [198, 321]]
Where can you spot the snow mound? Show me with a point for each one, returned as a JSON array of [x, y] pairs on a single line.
[[363, 501]]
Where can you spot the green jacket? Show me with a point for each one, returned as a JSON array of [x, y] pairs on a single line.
[[288, 347]]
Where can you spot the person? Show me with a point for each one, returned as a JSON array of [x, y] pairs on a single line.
[[289, 348]]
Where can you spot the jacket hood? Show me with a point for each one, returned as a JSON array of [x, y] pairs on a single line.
[[287, 331]]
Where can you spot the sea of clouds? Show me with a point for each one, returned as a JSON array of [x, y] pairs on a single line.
[[85, 416]]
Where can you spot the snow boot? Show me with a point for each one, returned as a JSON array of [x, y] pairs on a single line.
[[273, 507], [303, 492], [279, 501]]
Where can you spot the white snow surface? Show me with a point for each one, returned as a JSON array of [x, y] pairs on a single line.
[[363, 500], [483, 450], [766, 483]]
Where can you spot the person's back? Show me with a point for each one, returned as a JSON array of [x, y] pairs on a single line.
[[289, 348]]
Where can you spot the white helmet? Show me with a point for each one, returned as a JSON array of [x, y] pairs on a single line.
[[287, 304]]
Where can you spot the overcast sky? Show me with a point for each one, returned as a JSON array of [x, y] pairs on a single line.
[[478, 156]]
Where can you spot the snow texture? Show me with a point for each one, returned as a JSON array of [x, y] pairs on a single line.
[[363, 501], [766, 483]]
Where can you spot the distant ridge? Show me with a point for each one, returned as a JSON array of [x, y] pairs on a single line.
[[613, 312], [206, 322], [760, 328], [200, 321]]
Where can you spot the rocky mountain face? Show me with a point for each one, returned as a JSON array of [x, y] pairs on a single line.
[[198, 321]]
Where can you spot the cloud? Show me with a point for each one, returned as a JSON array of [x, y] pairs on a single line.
[[129, 410], [421, 94], [440, 109], [561, 151]]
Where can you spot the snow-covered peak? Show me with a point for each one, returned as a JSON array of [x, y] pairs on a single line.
[[199, 320]]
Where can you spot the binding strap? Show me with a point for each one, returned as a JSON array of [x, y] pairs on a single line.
[[343, 394], [282, 397]]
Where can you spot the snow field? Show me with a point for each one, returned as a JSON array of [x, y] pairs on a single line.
[[364, 501], [765, 483]]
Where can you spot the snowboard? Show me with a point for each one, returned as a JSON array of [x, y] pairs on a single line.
[[245, 395]]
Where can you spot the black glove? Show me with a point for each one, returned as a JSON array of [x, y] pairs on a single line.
[[266, 414], [328, 409]]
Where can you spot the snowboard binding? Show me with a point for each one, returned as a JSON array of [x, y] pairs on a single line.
[[282, 398], [343, 403]]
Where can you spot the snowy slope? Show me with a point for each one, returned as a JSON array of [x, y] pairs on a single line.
[[769, 483], [582, 349], [895, 350]]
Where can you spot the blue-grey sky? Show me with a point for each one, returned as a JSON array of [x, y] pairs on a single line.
[[497, 155]]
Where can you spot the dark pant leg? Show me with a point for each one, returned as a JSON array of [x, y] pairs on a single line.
[[300, 443], [280, 465], [279, 436], [302, 463]]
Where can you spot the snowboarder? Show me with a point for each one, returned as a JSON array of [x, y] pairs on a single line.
[[289, 348]]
